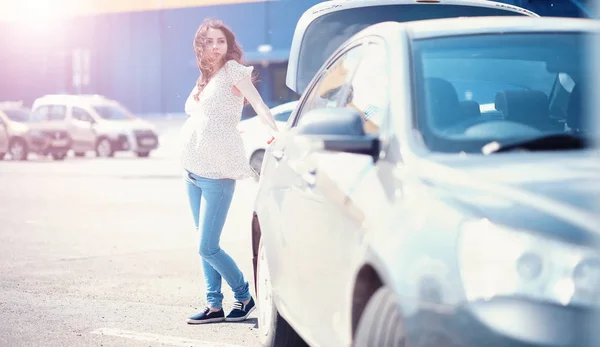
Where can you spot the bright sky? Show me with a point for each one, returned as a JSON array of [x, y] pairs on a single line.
[[33, 10]]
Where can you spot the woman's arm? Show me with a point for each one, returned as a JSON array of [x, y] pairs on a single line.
[[248, 90]]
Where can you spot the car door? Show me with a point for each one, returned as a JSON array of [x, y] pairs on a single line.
[[302, 211], [83, 125], [351, 199], [327, 25]]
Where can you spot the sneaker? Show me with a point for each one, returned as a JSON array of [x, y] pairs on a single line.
[[240, 311], [207, 316]]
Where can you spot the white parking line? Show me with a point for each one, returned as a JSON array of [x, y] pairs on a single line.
[[166, 340]]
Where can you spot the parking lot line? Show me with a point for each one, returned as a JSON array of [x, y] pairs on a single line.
[[166, 340]]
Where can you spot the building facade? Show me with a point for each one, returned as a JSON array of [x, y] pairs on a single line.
[[140, 52]]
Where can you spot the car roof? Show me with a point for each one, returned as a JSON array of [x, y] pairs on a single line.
[[481, 25], [445, 27]]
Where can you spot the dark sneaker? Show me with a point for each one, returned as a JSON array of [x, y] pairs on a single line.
[[207, 316], [240, 311]]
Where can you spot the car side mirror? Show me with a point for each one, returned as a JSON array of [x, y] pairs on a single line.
[[339, 129]]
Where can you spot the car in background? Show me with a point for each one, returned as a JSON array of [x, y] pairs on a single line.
[[398, 211], [20, 134], [256, 135], [99, 124]]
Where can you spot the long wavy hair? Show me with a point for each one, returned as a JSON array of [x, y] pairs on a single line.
[[206, 62]]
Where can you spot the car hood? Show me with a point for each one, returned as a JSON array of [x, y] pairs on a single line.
[[18, 127], [47, 126], [552, 192]]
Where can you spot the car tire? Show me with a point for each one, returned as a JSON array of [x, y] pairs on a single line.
[[256, 160], [20, 147], [104, 149], [80, 154], [59, 156], [273, 330], [381, 322], [142, 154]]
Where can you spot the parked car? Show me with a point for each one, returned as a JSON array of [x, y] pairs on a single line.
[[100, 124], [393, 213], [19, 132], [256, 136]]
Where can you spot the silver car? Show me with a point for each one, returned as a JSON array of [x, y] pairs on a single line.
[[435, 189]]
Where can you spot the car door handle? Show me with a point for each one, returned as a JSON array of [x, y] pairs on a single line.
[[277, 154]]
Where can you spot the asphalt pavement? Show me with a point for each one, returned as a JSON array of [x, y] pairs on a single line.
[[103, 252]]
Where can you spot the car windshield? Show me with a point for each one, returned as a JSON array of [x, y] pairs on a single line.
[[112, 112], [18, 115], [474, 90]]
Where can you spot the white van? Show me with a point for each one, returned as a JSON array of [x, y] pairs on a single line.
[[97, 123]]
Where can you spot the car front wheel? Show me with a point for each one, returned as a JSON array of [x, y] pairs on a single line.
[[18, 150], [273, 330], [381, 322], [256, 160], [59, 156], [104, 148]]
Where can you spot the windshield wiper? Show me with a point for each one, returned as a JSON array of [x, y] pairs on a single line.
[[542, 143]]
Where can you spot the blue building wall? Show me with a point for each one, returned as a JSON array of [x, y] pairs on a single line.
[[145, 59]]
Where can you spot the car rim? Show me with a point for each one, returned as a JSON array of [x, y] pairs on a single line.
[[265, 302], [17, 150], [104, 148]]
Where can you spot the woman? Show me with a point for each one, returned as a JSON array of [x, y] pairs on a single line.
[[214, 158]]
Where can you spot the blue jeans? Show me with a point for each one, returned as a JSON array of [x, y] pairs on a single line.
[[210, 200]]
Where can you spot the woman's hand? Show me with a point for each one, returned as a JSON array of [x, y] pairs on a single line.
[[274, 135]]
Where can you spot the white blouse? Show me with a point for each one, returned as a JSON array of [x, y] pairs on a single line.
[[211, 144]]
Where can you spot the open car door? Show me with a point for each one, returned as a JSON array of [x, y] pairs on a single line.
[[325, 26]]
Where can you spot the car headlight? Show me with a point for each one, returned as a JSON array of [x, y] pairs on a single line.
[[497, 261]]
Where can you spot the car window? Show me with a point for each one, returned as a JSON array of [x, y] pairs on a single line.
[[474, 90], [112, 112], [327, 90], [326, 33], [283, 116], [81, 114], [368, 90], [51, 112]]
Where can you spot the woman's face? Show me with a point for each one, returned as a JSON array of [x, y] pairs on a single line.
[[216, 43]]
